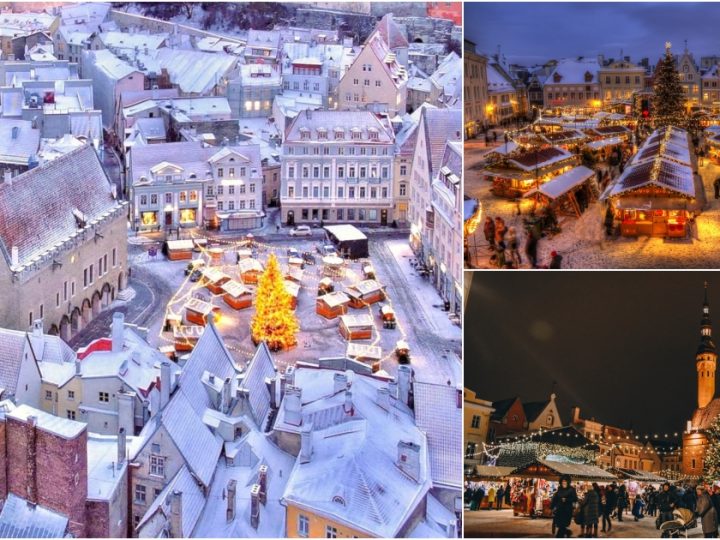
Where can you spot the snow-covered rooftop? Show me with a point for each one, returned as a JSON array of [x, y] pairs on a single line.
[[575, 71], [104, 473], [62, 427], [19, 519]]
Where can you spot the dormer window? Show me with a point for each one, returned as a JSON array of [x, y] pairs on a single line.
[[322, 134], [304, 134], [356, 134], [588, 76], [339, 134], [373, 134]]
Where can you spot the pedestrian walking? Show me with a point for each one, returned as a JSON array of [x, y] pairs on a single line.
[[491, 497], [638, 508], [500, 497], [531, 245], [489, 231], [591, 511], [706, 512], [563, 503], [512, 247], [500, 230], [716, 185], [477, 498], [609, 507], [622, 501], [667, 502]]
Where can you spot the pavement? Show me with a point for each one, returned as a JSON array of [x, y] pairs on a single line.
[[502, 524]]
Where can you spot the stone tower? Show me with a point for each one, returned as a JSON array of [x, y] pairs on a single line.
[[706, 358]]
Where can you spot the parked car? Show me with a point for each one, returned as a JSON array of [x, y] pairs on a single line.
[[326, 249], [196, 275], [196, 264], [301, 230], [308, 257]]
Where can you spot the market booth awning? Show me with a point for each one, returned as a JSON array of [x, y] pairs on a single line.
[[638, 476], [603, 143], [489, 472], [560, 185], [553, 470]]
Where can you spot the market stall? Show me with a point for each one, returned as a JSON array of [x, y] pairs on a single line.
[[214, 279], [356, 326], [348, 239], [237, 296], [293, 289], [250, 270], [514, 175], [656, 194], [333, 266], [368, 354], [198, 311], [570, 193], [293, 273], [332, 305], [365, 293], [186, 337], [566, 139], [177, 250]]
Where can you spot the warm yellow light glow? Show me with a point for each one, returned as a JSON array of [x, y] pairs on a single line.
[[274, 321]]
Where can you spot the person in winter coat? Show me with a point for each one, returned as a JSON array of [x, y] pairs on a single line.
[[477, 498], [512, 247], [706, 512], [591, 511], [609, 507], [500, 497], [689, 499], [622, 501], [531, 245], [500, 230], [507, 494], [716, 500], [666, 501], [491, 497], [555, 260], [637, 508], [489, 231], [562, 503]]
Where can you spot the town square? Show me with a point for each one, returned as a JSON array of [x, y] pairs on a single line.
[[590, 152], [231, 270]]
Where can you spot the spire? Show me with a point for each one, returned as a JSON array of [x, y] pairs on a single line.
[[706, 343]]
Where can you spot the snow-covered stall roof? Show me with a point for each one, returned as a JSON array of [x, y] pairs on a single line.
[[670, 176], [602, 143], [560, 185], [345, 233], [540, 158]]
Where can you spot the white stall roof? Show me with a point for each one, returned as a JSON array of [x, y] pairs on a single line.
[[344, 233]]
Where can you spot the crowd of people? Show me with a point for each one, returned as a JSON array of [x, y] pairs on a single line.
[[593, 507], [504, 242]]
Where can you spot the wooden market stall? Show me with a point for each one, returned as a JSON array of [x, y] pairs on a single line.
[[570, 193], [565, 138], [356, 326], [387, 316], [325, 285], [599, 133], [214, 279], [514, 175], [177, 250], [186, 337], [368, 354], [368, 271], [244, 253], [198, 311], [333, 266], [332, 305], [296, 262], [365, 292], [293, 273], [237, 295], [553, 470], [216, 255], [293, 289], [348, 240], [250, 270], [656, 194]]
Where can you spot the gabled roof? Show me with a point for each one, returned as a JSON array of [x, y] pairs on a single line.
[[441, 126], [534, 409], [502, 407], [574, 71], [260, 369], [38, 208], [391, 32]]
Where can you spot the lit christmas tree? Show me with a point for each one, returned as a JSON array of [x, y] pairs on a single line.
[[711, 470], [274, 321], [669, 97]]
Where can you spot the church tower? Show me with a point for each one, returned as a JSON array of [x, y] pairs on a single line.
[[706, 358]]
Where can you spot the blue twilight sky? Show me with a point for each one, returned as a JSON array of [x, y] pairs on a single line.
[[533, 32]]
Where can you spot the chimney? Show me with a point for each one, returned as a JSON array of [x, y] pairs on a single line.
[[293, 405], [306, 443], [451, 529], [290, 375], [262, 481], [383, 397], [277, 392], [409, 459], [37, 339], [165, 382], [226, 396], [255, 506], [118, 326], [575, 415], [122, 446], [339, 382], [31, 456], [78, 368], [403, 380], [231, 490], [15, 253], [126, 411], [348, 406], [176, 528]]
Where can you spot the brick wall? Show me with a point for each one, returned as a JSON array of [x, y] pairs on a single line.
[[98, 519]]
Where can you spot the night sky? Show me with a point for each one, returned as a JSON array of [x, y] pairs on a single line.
[[532, 33], [621, 345]]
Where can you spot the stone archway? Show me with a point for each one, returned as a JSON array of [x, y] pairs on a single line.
[[65, 328], [76, 321], [87, 314], [96, 304], [106, 295], [122, 282]]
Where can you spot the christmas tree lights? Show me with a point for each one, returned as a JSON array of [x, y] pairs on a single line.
[[274, 322]]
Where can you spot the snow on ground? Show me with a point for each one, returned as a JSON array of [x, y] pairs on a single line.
[[582, 242]]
